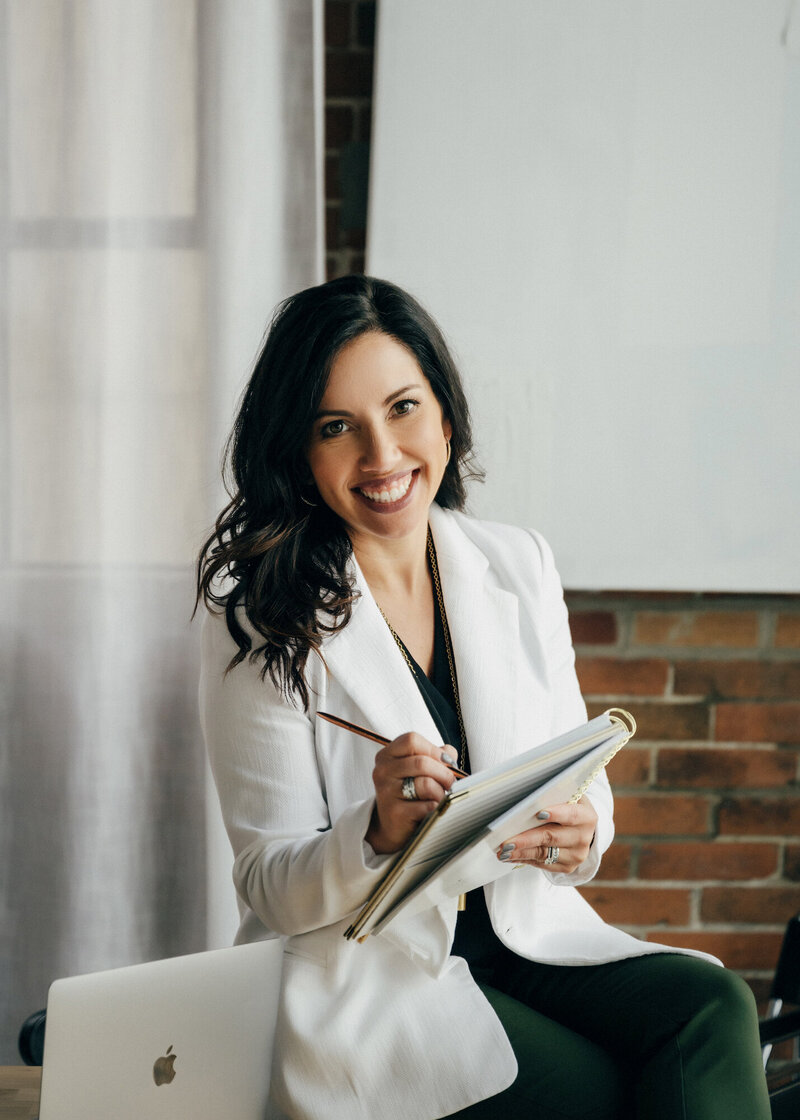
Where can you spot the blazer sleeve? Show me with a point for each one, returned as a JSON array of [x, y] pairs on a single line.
[[569, 710], [293, 867]]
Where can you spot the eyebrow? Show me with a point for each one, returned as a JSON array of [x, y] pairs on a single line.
[[343, 411]]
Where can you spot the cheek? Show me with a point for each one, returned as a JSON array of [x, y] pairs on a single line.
[[324, 468]]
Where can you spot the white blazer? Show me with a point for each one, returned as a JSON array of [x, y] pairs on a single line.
[[395, 1027]]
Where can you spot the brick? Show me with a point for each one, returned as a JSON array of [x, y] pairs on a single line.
[[661, 815], [614, 676], [338, 21], [665, 721], [339, 124], [696, 862], [616, 862], [758, 723], [753, 816], [593, 627], [721, 768], [787, 631], [348, 73], [630, 767], [758, 905], [726, 629], [757, 680], [750, 951], [639, 906], [791, 863]]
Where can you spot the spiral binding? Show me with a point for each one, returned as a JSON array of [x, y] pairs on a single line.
[[626, 720]]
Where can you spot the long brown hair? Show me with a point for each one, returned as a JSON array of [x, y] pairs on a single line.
[[277, 553]]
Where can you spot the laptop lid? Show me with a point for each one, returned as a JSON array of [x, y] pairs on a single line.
[[188, 1038]]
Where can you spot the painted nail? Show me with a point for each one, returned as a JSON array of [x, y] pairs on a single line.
[[448, 758], [543, 815], [504, 856]]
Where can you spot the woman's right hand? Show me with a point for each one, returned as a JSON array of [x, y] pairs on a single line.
[[395, 817]]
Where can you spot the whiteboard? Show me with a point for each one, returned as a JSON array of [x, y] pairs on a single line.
[[600, 203]]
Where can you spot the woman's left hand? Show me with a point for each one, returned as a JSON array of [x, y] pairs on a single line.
[[567, 829]]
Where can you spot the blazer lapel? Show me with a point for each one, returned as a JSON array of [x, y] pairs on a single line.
[[484, 627], [369, 667]]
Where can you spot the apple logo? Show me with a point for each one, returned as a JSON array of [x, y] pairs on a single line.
[[164, 1068]]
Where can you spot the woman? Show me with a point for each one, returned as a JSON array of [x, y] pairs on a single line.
[[345, 579]]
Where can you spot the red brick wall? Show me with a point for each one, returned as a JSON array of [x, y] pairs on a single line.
[[708, 802], [707, 797]]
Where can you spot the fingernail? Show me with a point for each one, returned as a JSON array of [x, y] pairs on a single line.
[[543, 815], [504, 856], [448, 758]]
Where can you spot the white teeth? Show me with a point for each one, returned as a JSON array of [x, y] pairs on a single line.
[[398, 490]]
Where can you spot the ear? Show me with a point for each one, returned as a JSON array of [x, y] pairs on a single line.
[[447, 429]]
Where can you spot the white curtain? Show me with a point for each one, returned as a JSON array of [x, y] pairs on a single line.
[[160, 192]]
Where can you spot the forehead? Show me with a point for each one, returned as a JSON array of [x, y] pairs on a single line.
[[371, 366]]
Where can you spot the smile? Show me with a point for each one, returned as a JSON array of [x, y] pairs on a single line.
[[386, 493]]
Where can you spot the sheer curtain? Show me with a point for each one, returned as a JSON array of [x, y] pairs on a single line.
[[161, 191]]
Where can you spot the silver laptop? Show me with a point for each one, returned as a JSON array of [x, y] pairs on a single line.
[[186, 1039]]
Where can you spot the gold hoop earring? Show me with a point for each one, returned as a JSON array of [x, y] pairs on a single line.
[[447, 460]]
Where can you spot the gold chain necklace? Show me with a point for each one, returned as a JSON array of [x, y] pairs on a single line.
[[462, 753]]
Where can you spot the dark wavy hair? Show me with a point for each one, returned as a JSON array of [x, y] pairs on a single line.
[[272, 553]]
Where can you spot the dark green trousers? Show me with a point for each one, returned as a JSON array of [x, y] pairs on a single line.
[[660, 1037]]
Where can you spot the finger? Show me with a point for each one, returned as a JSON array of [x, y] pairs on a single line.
[[553, 858], [545, 837], [537, 845], [448, 755], [413, 744], [422, 788], [569, 813], [391, 770]]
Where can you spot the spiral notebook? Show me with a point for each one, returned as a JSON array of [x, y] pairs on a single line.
[[454, 850]]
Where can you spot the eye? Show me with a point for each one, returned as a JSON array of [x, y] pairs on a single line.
[[332, 428], [402, 408]]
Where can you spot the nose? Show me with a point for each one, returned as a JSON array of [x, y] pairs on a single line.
[[379, 451]]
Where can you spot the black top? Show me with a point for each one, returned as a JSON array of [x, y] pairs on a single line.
[[474, 937], [437, 692]]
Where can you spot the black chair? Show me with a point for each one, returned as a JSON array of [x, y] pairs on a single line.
[[779, 1025], [31, 1038]]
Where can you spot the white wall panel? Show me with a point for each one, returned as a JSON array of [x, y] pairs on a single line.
[[601, 204]]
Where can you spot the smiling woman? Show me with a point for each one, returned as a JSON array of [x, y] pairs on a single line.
[[380, 444], [281, 547], [343, 578]]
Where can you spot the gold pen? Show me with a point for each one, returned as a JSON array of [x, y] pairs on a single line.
[[362, 731]]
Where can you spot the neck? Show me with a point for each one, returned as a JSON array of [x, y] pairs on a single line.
[[397, 567]]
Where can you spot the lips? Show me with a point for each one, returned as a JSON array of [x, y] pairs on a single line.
[[388, 491]]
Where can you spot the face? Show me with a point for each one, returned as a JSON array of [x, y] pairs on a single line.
[[378, 446]]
